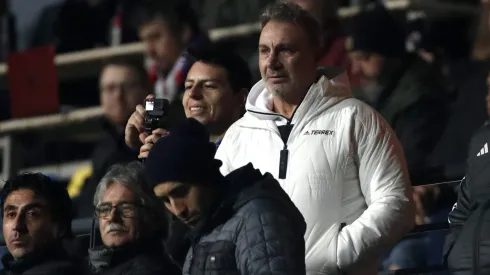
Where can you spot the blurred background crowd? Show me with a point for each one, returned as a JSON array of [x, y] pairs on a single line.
[[423, 65]]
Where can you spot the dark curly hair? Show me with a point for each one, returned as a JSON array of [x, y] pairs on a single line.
[[61, 207]]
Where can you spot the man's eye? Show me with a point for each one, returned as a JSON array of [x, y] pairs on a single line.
[[10, 214]]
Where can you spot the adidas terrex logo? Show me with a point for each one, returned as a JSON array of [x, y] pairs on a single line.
[[483, 150], [319, 132]]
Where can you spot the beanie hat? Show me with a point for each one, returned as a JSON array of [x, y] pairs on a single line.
[[184, 155], [376, 31]]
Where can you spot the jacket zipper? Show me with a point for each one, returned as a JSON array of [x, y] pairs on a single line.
[[284, 153]]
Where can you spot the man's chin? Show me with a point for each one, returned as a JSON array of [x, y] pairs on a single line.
[[18, 253]]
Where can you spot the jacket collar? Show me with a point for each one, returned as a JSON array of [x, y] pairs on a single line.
[[104, 257], [19, 266], [331, 88]]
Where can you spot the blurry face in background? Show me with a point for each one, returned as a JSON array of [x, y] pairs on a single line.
[[119, 226], [27, 223], [120, 92], [287, 59], [189, 203], [162, 45], [366, 65], [209, 97]]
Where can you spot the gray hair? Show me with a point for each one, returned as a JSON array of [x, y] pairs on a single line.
[[292, 13], [131, 175]]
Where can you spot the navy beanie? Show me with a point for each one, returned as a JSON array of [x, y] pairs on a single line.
[[184, 155]]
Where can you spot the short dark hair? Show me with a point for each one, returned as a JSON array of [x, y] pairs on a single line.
[[60, 203], [236, 67], [135, 65], [292, 13], [176, 14]]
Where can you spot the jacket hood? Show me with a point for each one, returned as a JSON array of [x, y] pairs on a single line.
[[248, 183], [331, 88]]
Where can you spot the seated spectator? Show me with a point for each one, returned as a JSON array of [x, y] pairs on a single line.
[[123, 85], [242, 224], [168, 28], [409, 93], [36, 221], [132, 226]]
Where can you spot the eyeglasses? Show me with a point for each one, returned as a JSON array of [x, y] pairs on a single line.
[[125, 209]]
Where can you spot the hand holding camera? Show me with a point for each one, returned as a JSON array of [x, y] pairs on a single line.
[[146, 125]]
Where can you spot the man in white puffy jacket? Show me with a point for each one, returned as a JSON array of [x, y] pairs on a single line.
[[336, 158]]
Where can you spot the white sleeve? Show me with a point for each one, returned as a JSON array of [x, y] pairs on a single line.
[[386, 186], [223, 152]]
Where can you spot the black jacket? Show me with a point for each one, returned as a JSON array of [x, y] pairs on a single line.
[[467, 249], [256, 229], [55, 261], [145, 257]]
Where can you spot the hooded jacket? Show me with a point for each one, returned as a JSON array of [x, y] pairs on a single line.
[[254, 230], [345, 166]]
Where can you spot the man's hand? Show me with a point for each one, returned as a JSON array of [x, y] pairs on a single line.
[[150, 140], [134, 134]]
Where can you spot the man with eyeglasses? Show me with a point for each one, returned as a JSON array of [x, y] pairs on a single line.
[[132, 226]]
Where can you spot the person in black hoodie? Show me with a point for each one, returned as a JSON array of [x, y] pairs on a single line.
[[467, 243], [36, 221], [241, 224], [132, 224]]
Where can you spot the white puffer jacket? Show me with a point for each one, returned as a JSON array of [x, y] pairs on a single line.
[[346, 167]]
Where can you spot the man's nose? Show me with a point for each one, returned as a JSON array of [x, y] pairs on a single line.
[[195, 92], [273, 61], [20, 224], [178, 208], [114, 215]]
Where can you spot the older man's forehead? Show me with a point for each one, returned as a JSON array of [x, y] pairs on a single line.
[[118, 192]]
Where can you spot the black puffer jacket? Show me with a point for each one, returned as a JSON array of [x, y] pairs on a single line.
[[145, 257], [256, 229], [55, 261], [467, 249]]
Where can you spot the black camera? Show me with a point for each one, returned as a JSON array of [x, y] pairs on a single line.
[[156, 114]]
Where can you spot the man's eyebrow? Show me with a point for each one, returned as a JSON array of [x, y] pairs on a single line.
[[9, 207], [203, 80], [27, 206]]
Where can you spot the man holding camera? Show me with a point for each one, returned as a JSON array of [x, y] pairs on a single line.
[[215, 91]]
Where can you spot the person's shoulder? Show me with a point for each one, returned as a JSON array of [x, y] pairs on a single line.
[[481, 136]]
